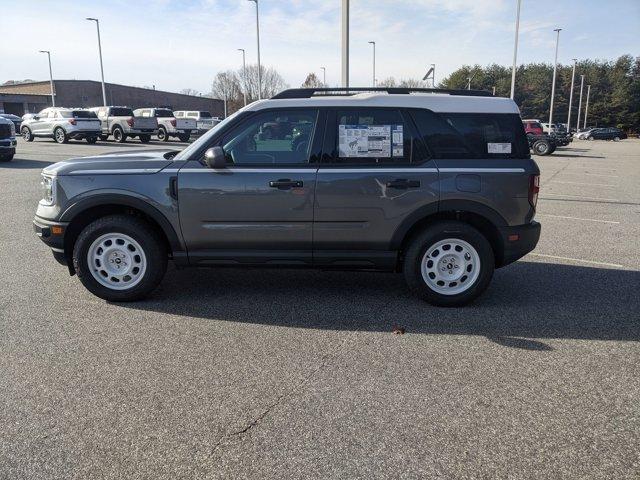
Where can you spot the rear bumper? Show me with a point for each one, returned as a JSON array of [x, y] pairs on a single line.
[[44, 229], [141, 131], [84, 134], [518, 241]]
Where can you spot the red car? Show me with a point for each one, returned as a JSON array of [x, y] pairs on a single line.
[[532, 127]]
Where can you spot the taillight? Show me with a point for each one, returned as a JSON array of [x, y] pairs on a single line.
[[73, 121], [130, 121], [173, 122], [534, 189]]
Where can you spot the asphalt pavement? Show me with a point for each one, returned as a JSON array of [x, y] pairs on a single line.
[[282, 373]]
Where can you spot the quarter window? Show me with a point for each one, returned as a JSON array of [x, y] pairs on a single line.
[[279, 137]]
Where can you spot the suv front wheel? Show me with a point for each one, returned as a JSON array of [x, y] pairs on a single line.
[[449, 264], [119, 258]]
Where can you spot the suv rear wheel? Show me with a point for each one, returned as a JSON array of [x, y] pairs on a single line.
[[60, 136], [449, 264], [119, 258]]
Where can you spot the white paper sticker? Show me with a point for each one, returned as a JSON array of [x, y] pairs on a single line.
[[498, 147], [370, 141]]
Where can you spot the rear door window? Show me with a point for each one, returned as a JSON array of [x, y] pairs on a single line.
[[472, 135]]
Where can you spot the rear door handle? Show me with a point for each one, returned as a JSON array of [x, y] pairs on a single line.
[[403, 184], [285, 184]]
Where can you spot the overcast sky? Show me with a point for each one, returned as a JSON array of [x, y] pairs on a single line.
[[176, 44]]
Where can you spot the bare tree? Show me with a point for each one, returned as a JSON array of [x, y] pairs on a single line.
[[411, 83], [312, 81], [190, 91], [387, 82], [272, 82]]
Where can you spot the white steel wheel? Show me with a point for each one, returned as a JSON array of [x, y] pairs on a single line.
[[450, 266], [116, 261]]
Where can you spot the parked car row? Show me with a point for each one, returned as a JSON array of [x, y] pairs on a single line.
[[610, 133], [544, 138], [117, 122], [7, 139]]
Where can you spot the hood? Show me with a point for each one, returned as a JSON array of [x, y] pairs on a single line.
[[131, 162]]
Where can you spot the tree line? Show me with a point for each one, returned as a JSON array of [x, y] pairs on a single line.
[[614, 99]]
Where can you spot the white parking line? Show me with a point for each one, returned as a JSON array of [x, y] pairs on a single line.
[[580, 183], [579, 260], [579, 196], [576, 218]]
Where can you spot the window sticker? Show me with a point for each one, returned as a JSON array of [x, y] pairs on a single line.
[[366, 141], [498, 148]]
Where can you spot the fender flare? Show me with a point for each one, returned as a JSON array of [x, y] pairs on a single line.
[[444, 206], [126, 199]]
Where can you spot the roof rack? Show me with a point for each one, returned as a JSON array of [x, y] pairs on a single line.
[[310, 92]]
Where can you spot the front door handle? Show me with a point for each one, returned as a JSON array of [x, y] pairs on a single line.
[[403, 184], [285, 184]]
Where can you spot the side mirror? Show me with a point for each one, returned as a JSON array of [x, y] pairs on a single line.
[[36, 117], [214, 157]]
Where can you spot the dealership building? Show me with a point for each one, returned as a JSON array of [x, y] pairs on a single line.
[[31, 97]]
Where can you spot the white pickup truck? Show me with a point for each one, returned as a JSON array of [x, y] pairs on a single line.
[[122, 123], [168, 125], [204, 120]]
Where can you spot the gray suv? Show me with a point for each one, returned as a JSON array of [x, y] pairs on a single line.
[[435, 184]]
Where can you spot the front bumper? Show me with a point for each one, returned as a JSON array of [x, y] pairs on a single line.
[[518, 241], [8, 145], [52, 234]]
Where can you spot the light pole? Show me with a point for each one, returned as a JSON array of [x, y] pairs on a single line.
[[324, 76], [433, 76], [53, 98], [104, 93], [258, 39], [580, 102], [244, 76], [573, 77], [553, 82], [515, 52], [374, 62], [586, 108], [345, 43], [471, 78]]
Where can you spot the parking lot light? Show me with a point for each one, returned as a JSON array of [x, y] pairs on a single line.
[[258, 39], [324, 76], [515, 51], [573, 78], [104, 93], [53, 97], [586, 107], [244, 76], [580, 102], [553, 82], [374, 63]]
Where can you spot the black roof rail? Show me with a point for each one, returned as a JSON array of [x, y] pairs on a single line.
[[310, 92]]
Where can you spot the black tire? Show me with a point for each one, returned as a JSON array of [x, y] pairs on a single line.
[[184, 137], [590, 138], [162, 135], [91, 140], [148, 239], [26, 134], [616, 139], [104, 138], [541, 147], [118, 135], [424, 240], [145, 138], [552, 149], [6, 158], [60, 136]]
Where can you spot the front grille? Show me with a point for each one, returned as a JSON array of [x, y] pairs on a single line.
[[5, 131]]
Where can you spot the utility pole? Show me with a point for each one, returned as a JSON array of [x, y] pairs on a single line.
[[573, 77], [258, 37], [586, 108], [580, 102], [244, 76], [515, 52], [53, 97], [324, 76], [345, 43], [104, 93], [553, 82], [374, 63]]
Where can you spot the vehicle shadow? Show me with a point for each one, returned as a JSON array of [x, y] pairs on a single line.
[[526, 301], [562, 153], [17, 163]]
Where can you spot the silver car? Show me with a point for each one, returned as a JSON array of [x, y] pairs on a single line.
[[61, 124]]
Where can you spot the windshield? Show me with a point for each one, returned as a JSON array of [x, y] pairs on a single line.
[[204, 139], [163, 113], [205, 115]]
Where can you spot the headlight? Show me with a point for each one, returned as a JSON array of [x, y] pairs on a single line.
[[48, 190], [13, 129]]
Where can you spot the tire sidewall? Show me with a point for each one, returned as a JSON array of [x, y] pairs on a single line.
[[412, 265], [118, 135], [26, 134], [61, 140], [162, 135], [146, 238]]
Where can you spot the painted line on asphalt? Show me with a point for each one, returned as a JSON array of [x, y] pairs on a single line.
[[576, 218], [580, 183], [580, 196], [579, 260]]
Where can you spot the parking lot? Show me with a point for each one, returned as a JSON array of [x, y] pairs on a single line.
[[297, 374]]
